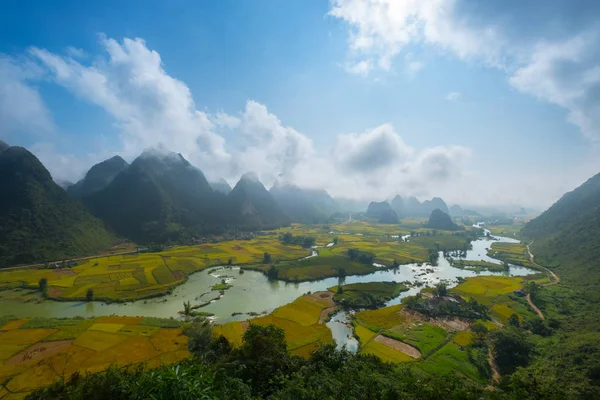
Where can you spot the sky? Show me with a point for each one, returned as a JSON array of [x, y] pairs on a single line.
[[480, 102]]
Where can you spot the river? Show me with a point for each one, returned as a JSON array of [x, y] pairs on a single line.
[[251, 291]]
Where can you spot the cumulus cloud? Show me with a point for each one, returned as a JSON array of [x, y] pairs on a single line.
[[22, 110], [566, 74], [376, 149], [562, 71], [149, 106]]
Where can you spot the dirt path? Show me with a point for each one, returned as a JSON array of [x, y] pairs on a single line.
[[537, 310], [494, 368], [553, 281], [325, 314], [398, 345]]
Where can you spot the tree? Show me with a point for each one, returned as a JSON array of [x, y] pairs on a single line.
[[43, 284], [514, 321], [512, 349], [273, 273], [480, 331], [442, 290], [187, 309], [533, 289], [335, 240], [340, 289], [230, 261], [89, 295], [266, 258]]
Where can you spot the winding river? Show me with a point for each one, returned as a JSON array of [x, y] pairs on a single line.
[[251, 292]]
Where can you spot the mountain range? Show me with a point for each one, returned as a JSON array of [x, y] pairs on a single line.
[[304, 205]]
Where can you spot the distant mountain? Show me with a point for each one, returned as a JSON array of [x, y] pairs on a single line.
[[3, 146], [566, 235], [38, 220], [413, 206], [159, 197], [304, 205], [388, 217], [98, 177], [220, 186], [458, 211], [253, 206], [441, 220], [428, 206], [398, 206], [379, 209], [63, 183]]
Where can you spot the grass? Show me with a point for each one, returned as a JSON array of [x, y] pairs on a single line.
[[463, 338], [304, 311], [450, 359], [478, 265], [485, 288], [96, 343], [425, 337]]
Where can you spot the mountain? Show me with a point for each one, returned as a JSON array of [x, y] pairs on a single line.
[[441, 220], [566, 235], [376, 209], [428, 206], [159, 197], [398, 206], [350, 205], [220, 186], [98, 177], [3, 146], [388, 217], [38, 220], [413, 206], [253, 207], [304, 205]]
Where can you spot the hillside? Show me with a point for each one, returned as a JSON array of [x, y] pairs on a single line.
[[566, 235], [159, 197], [428, 206], [253, 207], [38, 220], [376, 209], [3, 146], [98, 177], [440, 220], [303, 205]]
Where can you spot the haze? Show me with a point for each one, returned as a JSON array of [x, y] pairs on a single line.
[[481, 104]]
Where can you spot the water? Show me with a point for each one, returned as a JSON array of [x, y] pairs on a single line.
[[251, 291], [342, 332]]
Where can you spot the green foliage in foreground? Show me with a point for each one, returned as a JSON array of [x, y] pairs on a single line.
[[367, 295]]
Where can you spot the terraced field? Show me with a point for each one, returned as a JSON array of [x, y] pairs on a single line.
[[300, 320], [34, 353], [142, 275], [512, 253]]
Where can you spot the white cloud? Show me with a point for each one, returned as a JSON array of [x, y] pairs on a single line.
[[566, 74], [75, 52], [360, 68], [453, 96], [22, 110], [563, 71], [149, 106], [225, 120]]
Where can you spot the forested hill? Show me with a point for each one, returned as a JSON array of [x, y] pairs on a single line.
[[38, 220], [566, 235], [98, 177]]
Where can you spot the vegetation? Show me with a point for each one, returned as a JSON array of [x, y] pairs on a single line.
[[441, 220], [367, 295], [39, 221]]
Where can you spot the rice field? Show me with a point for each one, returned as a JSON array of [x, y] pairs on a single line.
[[34, 353], [298, 319]]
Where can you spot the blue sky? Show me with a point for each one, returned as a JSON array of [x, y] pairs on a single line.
[[480, 102]]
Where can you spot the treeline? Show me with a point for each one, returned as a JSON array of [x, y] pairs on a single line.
[[304, 241], [362, 257]]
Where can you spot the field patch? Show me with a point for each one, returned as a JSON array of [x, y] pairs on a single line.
[[106, 327], [305, 310], [383, 318], [232, 331], [38, 351], [13, 324], [99, 341]]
